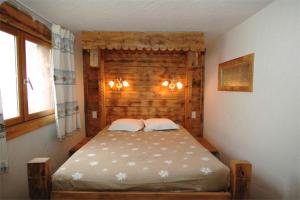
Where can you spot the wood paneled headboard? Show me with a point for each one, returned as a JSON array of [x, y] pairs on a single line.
[[145, 98], [145, 70]]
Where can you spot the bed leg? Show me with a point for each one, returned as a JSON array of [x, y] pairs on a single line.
[[39, 178], [240, 179]]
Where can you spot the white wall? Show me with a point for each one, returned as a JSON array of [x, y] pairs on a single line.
[[263, 126], [40, 143]]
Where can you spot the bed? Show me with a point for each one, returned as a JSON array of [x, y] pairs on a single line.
[[142, 161], [143, 165], [149, 165]]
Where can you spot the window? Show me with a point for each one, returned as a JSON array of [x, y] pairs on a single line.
[[9, 75], [39, 86], [25, 82]]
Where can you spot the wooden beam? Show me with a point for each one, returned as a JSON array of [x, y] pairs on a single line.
[[240, 179], [179, 41], [139, 195], [91, 95], [202, 82], [86, 62], [191, 59], [18, 19], [101, 78]]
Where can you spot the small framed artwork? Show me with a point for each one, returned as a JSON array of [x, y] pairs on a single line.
[[237, 74]]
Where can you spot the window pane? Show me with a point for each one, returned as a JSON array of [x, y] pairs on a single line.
[[39, 87], [9, 75]]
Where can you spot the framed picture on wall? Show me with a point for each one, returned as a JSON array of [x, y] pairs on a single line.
[[237, 74]]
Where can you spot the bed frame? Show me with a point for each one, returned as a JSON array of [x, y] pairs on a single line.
[[39, 180]]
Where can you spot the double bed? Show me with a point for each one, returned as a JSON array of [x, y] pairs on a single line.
[[167, 164], [169, 160]]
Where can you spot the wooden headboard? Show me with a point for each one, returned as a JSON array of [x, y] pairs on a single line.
[[145, 98], [145, 70]]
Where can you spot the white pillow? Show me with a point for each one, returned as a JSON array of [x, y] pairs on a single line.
[[157, 124], [132, 125]]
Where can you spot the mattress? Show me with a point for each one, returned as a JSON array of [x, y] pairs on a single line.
[[142, 161]]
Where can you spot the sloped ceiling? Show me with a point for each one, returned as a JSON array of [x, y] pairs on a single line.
[[213, 17]]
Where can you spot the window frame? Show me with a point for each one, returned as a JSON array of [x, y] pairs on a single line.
[[36, 115], [16, 33], [24, 118]]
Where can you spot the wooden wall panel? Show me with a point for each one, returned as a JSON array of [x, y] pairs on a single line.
[[145, 98], [198, 96], [144, 71], [91, 93]]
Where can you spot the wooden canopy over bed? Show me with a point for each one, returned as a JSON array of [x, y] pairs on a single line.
[[145, 60], [178, 41]]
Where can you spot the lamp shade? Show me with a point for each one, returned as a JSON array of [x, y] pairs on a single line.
[[179, 85], [125, 84], [172, 85], [165, 83], [111, 84]]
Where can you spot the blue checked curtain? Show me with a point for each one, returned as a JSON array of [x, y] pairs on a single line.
[[66, 105], [3, 148]]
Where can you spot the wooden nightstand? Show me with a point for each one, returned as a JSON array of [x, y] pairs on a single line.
[[79, 145], [209, 146], [39, 178]]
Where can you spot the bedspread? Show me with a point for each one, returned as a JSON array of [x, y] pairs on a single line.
[[142, 161]]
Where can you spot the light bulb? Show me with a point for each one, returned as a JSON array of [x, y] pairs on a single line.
[[172, 85], [165, 83], [111, 84], [179, 85], [125, 84], [119, 85]]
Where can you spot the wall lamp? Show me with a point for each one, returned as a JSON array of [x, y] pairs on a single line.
[[172, 84], [118, 83]]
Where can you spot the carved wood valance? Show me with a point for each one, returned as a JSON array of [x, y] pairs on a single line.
[[179, 41]]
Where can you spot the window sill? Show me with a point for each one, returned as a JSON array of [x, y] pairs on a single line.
[[26, 127]]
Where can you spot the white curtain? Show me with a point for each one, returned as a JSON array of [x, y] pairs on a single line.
[[3, 148], [66, 105]]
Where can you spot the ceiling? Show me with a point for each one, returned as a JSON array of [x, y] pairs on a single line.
[[213, 17]]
